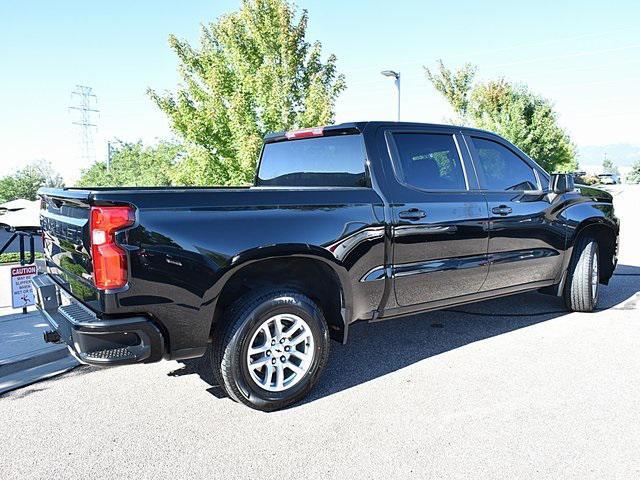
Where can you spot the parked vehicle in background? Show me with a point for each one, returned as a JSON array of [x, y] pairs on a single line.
[[608, 179], [586, 179], [359, 221]]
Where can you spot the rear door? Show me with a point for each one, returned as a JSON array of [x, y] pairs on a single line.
[[439, 220], [525, 242]]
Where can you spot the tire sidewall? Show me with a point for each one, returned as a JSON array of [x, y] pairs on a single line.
[[239, 345], [595, 254], [578, 291]]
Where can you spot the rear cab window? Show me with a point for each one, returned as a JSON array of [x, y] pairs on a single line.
[[330, 161]]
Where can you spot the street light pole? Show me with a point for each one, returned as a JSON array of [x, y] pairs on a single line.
[[108, 156], [396, 76]]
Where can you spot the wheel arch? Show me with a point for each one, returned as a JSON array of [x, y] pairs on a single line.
[[307, 269], [606, 234]]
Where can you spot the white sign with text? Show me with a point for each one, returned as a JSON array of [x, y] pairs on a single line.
[[21, 291]]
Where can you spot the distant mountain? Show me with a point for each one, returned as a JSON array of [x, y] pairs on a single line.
[[622, 154]]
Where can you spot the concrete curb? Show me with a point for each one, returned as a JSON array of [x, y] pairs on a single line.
[[26, 358], [36, 373], [32, 359], [30, 367]]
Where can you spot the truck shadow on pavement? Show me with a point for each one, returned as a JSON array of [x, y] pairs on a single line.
[[377, 349]]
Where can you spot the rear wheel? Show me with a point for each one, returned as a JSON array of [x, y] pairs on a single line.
[[583, 277], [271, 349]]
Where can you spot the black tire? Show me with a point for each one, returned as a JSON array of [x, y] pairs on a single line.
[[580, 294], [234, 333]]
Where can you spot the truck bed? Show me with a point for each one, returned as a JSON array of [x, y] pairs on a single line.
[[186, 240]]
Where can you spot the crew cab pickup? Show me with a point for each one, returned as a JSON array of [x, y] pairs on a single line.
[[359, 221]]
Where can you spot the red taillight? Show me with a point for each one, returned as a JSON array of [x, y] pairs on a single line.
[[305, 133], [109, 259]]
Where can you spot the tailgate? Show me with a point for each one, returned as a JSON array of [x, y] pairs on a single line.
[[64, 217]]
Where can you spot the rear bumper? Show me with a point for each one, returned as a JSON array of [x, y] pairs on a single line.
[[95, 341]]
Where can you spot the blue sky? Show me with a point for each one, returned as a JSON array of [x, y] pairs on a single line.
[[584, 56]]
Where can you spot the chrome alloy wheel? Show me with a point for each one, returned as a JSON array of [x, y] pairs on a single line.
[[595, 278], [280, 352]]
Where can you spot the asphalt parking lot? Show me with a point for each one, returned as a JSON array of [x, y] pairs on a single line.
[[509, 388]]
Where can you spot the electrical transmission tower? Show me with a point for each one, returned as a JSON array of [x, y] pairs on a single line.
[[85, 106]]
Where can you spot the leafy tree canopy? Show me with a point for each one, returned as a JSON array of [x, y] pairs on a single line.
[[133, 164], [634, 174], [26, 181], [454, 86], [254, 72], [510, 110], [608, 166]]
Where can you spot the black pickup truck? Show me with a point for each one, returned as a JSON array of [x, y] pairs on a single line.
[[359, 221]]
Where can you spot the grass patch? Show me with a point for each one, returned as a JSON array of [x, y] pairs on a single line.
[[14, 257]]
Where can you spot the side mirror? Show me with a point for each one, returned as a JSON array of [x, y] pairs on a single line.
[[562, 183]]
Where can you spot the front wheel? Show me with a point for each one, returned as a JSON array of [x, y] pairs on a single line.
[[271, 349], [583, 277]]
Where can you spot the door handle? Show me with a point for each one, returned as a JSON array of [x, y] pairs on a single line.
[[412, 214], [502, 210]]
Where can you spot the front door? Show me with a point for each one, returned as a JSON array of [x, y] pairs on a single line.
[[439, 223], [525, 242]]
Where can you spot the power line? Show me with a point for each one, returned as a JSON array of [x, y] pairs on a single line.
[[536, 72], [470, 53], [85, 108], [583, 53]]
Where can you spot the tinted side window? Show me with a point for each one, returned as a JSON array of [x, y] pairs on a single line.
[[429, 161], [336, 161], [501, 169]]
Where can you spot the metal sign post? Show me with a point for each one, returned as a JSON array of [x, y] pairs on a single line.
[[22, 296]]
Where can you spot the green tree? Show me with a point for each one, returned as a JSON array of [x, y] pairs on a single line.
[[133, 164], [254, 72], [454, 86], [26, 181], [510, 110], [634, 174], [608, 166]]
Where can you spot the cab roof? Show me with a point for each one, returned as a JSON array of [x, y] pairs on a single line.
[[356, 127]]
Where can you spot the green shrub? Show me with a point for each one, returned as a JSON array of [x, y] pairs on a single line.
[[14, 257]]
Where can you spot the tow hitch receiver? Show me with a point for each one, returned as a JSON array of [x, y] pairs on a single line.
[[51, 336]]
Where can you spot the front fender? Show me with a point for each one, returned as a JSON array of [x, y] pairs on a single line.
[[587, 214]]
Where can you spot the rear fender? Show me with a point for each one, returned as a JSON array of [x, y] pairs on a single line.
[[287, 251]]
